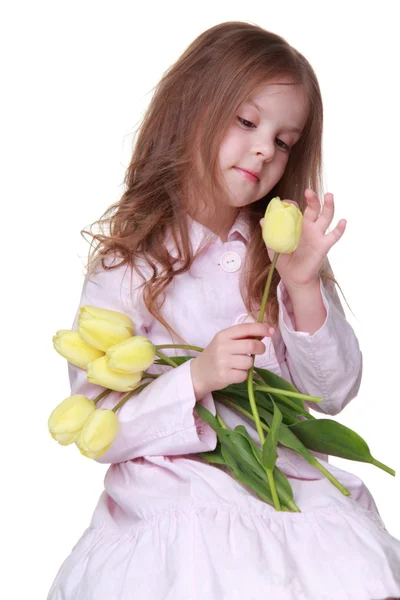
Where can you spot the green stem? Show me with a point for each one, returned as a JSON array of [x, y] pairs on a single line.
[[131, 393], [311, 459], [383, 467], [272, 485], [244, 412], [253, 404], [291, 404], [250, 384], [250, 387], [221, 421], [100, 396], [185, 346], [167, 359], [267, 287], [305, 397]]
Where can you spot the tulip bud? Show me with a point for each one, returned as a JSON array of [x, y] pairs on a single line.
[[104, 314], [98, 433], [68, 418], [71, 346], [98, 372], [102, 328], [132, 355], [282, 226]]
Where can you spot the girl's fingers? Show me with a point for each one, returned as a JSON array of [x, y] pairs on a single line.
[[246, 330], [335, 235], [241, 362], [252, 346], [313, 207], [327, 213]]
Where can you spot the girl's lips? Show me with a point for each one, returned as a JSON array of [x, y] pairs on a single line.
[[247, 175]]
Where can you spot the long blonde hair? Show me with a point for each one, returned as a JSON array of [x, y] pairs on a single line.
[[191, 110]]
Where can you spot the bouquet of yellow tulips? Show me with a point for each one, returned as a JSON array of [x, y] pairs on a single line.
[[105, 346]]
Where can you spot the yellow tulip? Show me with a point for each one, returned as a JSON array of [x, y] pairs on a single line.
[[282, 226], [68, 418], [102, 328], [98, 372], [133, 355], [98, 433], [71, 346]]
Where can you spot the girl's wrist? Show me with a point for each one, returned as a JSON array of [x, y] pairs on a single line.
[[197, 381], [299, 288], [308, 307]]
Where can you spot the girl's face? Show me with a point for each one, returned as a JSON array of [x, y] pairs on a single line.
[[255, 151]]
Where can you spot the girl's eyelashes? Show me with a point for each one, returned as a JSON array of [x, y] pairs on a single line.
[[249, 125], [284, 146]]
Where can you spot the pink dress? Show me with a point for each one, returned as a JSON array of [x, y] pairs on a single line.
[[169, 526]]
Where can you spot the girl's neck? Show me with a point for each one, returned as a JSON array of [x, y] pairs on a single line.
[[220, 223]]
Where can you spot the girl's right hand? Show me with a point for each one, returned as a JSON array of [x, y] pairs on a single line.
[[227, 359]]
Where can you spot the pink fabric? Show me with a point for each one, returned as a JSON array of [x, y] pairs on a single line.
[[168, 525]]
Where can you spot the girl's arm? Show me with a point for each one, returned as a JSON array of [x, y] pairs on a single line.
[[325, 360], [159, 420]]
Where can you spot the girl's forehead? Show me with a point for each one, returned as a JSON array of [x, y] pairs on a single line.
[[287, 98], [281, 87]]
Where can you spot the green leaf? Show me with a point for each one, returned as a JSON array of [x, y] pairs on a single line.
[[269, 453], [330, 437], [214, 457], [245, 460], [259, 486], [283, 486], [284, 489], [179, 360], [274, 380], [243, 449], [207, 416], [255, 449], [264, 400]]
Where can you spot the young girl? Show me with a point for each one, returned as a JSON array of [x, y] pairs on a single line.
[[235, 121]]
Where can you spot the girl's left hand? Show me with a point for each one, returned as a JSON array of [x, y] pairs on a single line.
[[301, 268]]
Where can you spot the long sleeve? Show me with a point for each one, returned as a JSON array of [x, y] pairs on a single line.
[[159, 420], [329, 362]]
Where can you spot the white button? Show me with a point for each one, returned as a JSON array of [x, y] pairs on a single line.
[[231, 262]]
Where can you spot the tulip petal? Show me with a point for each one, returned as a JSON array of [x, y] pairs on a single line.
[[68, 418], [71, 346], [282, 226], [102, 334], [98, 433], [133, 355], [99, 373], [113, 316]]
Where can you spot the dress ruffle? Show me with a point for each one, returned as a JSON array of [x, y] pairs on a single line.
[[332, 550]]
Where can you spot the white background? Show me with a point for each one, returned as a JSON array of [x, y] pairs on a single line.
[[77, 77]]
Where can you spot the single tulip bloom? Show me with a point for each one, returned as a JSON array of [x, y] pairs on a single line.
[[99, 372], [133, 355], [68, 418], [102, 328], [71, 346], [282, 226], [98, 433]]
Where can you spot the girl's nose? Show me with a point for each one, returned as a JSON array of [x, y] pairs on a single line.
[[266, 149]]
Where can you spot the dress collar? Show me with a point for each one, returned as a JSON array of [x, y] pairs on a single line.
[[200, 234]]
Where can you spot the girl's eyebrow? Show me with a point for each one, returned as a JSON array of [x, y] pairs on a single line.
[[260, 109]]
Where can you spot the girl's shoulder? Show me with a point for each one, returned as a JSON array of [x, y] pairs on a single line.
[[114, 275]]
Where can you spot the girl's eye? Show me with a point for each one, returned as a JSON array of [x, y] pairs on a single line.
[[283, 146], [248, 124]]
